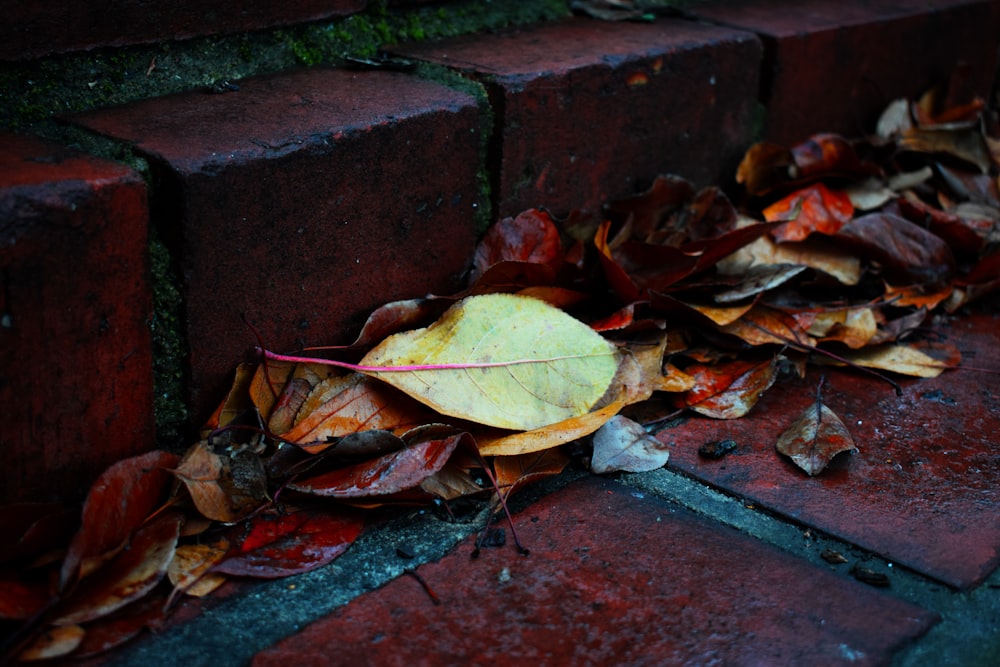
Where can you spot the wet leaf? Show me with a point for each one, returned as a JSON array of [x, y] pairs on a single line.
[[425, 453], [118, 502], [623, 445], [129, 576], [729, 390], [280, 545], [537, 365], [21, 596], [814, 438], [33, 529], [812, 209]]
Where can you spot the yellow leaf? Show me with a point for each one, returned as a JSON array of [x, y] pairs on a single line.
[[915, 360], [188, 571], [500, 359]]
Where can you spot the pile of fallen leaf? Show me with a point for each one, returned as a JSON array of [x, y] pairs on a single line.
[[838, 253]]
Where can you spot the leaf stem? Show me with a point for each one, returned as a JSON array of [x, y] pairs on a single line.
[[274, 356]]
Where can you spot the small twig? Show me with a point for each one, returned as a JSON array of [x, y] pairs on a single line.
[[423, 582], [503, 503]]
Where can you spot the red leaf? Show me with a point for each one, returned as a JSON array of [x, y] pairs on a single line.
[[908, 253], [21, 597], [730, 390], [814, 438], [286, 544], [387, 474], [128, 576], [34, 528], [819, 210], [119, 501], [647, 210], [123, 625], [530, 237], [829, 155]]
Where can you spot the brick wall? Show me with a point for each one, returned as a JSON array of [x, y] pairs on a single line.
[[304, 198]]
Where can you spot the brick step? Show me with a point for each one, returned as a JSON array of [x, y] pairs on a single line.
[[305, 199]]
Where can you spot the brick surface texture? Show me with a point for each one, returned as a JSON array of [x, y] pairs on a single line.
[[75, 360], [612, 578], [831, 66], [304, 201], [33, 29], [591, 110], [922, 490]]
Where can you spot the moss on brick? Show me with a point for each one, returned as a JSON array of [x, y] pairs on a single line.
[[38, 90], [34, 94], [169, 351]]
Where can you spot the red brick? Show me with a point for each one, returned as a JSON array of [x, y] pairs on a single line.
[[832, 66], [75, 359], [32, 29], [306, 200], [613, 578], [922, 491], [590, 110]]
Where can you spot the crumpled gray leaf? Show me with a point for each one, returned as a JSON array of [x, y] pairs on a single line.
[[622, 445]]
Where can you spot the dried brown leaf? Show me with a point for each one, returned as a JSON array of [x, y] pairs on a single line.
[[814, 438]]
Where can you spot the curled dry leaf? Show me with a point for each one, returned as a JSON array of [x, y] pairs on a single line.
[[814, 438], [505, 443], [223, 487], [624, 445], [501, 360]]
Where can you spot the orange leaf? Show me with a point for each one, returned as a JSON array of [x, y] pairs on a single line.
[[355, 403], [730, 390], [812, 209]]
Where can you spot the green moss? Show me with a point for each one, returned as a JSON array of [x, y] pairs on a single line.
[[169, 351], [68, 84]]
